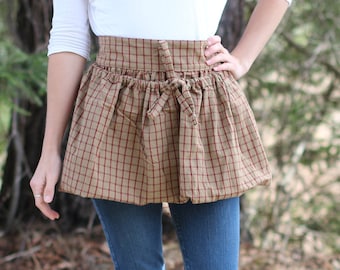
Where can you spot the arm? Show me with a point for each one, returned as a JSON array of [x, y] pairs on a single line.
[[262, 24], [63, 78], [69, 45]]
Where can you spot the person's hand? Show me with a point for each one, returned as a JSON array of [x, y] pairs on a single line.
[[222, 60], [43, 184]]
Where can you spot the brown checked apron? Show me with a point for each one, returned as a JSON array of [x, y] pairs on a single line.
[[154, 123]]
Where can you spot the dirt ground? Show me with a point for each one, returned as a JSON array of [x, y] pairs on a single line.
[[44, 247]]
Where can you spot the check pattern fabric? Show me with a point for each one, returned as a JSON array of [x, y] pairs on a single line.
[[153, 123]]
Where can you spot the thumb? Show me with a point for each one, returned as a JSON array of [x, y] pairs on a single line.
[[52, 176], [49, 190]]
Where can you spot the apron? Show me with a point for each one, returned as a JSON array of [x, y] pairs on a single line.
[[154, 123]]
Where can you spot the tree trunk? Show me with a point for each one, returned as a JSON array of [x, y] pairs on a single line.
[[231, 24], [29, 22], [230, 29]]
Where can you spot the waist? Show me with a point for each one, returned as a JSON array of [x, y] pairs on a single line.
[[152, 55]]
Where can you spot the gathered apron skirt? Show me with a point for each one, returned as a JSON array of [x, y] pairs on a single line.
[[154, 123]]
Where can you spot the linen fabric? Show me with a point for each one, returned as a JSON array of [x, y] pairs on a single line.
[[153, 123]]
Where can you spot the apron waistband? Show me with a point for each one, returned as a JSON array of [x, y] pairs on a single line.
[[168, 56]]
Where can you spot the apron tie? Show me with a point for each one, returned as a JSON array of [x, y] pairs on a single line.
[[176, 86]]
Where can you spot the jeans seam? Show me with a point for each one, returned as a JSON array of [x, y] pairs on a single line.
[[219, 209], [182, 244], [109, 240]]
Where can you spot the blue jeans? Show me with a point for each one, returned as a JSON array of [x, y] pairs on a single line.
[[208, 234]]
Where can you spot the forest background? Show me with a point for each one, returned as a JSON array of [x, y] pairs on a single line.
[[294, 90]]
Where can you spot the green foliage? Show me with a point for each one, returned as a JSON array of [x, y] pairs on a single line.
[[4, 124], [21, 74], [294, 89]]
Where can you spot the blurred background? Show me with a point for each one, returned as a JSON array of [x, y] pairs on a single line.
[[294, 90]]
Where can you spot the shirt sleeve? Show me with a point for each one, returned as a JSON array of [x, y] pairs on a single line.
[[70, 28], [289, 2]]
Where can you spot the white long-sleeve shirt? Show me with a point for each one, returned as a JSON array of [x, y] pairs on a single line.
[[149, 19]]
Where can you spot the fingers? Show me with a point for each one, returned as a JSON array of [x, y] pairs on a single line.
[[213, 40], [45, 208], [214, 46], [43, 188], [221, 60], [38, 186], [216, 53]]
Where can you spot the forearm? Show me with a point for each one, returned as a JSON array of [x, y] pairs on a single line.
[[63, 79], [262, 24]]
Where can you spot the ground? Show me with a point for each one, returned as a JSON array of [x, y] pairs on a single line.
[[44, 247]]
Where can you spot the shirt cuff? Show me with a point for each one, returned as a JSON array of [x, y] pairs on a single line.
[[68, 41]]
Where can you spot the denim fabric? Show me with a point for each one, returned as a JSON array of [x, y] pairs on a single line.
[[208, 234]]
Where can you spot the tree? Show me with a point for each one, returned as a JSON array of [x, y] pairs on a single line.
[[29, 24], [294, 91]]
